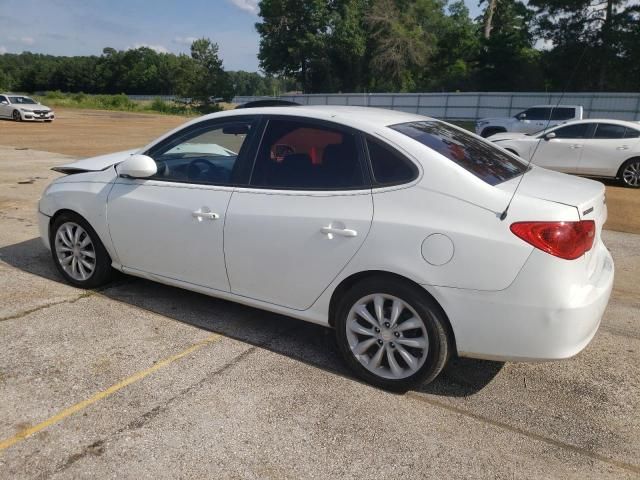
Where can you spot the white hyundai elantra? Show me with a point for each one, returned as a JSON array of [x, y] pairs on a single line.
[[390, 227], [598, 148]]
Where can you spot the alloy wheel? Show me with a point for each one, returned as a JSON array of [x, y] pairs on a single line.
[[75, 251], [387, 336], [631, 174], [16, 116]]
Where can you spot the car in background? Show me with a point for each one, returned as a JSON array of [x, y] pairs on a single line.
[[596, 148], [20, 107], [273, 207], [531, 120]]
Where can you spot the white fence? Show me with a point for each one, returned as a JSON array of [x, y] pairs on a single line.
[[474, 105]]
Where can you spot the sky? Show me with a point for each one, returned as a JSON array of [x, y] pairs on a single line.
[[85, 27]]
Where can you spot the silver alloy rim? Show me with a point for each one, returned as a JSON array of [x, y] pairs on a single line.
[[387, 336], [631, 174], [75, 251], [16, 116]]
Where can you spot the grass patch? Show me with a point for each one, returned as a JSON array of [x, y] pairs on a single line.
[[123, 103]]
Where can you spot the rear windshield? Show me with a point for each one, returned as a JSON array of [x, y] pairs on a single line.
[[477, 156]]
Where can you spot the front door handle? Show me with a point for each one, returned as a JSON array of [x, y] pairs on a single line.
[[204, 213], [343, 232], [623, 147], [575, 146]]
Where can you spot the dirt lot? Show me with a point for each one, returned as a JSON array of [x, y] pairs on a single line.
[[140, 380]]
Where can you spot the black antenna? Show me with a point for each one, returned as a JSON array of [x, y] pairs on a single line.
[[503, 215]]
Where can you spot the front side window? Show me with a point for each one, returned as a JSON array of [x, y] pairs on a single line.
[[307, 156], [608, 130], [477, 156], [537, 113], [579, 130], [206, 154], [3, 99]]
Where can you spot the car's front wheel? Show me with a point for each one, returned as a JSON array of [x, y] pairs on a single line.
[[78, 253], [630, 173], [16, 116], [392, 333]]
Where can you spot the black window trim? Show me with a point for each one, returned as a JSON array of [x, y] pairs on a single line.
[[591, 128], [597, 126], [244, 155], [362, 154], [374, 183]]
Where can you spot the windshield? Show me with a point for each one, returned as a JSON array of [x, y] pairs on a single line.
[[477, 156], [22, 101]]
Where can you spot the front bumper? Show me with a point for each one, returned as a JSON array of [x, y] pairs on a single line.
[[32, 116], [541, 316], [43, 227]]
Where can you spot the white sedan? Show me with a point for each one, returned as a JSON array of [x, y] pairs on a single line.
[[21, 108], [597, 148], [390, 227]]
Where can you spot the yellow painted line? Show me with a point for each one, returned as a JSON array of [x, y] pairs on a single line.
[[67, 412]]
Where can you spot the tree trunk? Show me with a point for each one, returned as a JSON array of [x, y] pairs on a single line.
[[606, 50], [488, 18]]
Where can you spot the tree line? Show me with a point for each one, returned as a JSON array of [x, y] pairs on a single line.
[[329, 46], [434, 45], [142, 71]]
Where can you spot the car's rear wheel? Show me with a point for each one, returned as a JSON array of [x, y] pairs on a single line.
[[392, 333], [78, 253], [630, 173], [16, 116]]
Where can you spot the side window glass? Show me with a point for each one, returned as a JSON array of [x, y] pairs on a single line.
[[573, 131], [537, 113], [389, 167], [203, 155], [563, 113], [307, 156], [608, 130], [631, 133]]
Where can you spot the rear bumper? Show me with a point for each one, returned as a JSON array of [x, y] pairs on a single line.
[[532, 320]]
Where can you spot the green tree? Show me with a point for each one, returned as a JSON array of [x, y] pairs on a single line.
[[210, 79]]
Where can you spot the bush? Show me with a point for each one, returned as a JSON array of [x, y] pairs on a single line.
[[55, 95], [114, 102]]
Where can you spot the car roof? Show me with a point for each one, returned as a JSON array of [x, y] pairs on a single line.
[[554, 106], [353, 116], [626, 123]]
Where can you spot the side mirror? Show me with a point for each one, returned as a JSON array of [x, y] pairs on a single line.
[[137, 166], [549, 136], [522, 116], [4, 102]]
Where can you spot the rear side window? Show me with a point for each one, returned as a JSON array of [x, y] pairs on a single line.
[[477, 156], [608, 130], [631, 133], [579, 130], [389, 167], [563, 113], [307, 156]]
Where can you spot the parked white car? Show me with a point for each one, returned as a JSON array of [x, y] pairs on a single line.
[[531, 120], [385, 225], [597, 148], [19, 108]]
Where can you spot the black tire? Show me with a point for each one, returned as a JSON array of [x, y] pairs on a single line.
[[430, 314], [16, 116], [102, 273], [632, 181], [487, 132]]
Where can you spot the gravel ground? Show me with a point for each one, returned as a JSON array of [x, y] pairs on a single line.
[[140, 380]]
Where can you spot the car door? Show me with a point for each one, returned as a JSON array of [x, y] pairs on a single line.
[[609, 147], [532, 120], [171, 225], [563, 151], [306, 213]]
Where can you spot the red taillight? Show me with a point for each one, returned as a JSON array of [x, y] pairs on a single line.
[[568, 240]]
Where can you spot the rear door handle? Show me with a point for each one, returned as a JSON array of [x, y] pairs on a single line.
[[343, 232], [203, 213]]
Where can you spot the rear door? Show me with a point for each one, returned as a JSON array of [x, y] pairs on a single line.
[[609, 147], [5, 110], [563, 152], [307, 212]]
